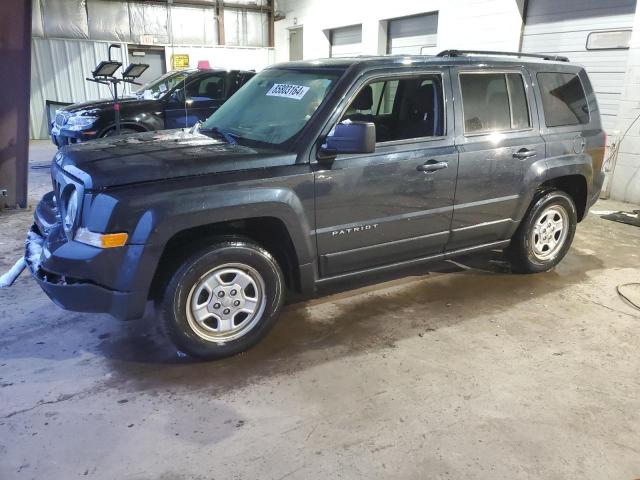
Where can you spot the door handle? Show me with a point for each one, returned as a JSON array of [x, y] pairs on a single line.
[[432, 166], [524, 153]]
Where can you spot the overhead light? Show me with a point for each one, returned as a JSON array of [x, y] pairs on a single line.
[[106, 68], [134, 70]]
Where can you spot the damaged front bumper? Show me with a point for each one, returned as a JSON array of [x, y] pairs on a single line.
[[65, 269]]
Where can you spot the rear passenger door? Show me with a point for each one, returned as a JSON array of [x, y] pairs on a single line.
[[498, 138]]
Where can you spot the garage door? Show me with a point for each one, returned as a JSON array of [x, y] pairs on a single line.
[[346, 41], [416, 35], [594, 33]]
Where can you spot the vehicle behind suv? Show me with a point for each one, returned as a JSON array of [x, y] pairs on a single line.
[[176, 99], [321, 172]]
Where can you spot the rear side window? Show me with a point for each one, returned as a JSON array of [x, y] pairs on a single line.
[[494, 102], [563, 99]]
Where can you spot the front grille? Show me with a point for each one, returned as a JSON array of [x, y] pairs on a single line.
[[57, 190], [61, 181]]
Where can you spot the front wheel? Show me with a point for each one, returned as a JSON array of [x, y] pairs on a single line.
[[223, 300], [545, 234]]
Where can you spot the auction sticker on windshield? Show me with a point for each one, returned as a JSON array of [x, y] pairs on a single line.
[[288, 91]]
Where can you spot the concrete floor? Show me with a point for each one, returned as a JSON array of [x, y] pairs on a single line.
[[458, 373]]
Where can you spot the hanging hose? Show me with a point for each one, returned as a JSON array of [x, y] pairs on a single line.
[[625, 297], [8, 278]]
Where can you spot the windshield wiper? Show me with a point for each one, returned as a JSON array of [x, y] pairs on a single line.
[[196, 127], [228, 136]]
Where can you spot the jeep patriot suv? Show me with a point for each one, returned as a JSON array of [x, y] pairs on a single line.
[[316, 172]]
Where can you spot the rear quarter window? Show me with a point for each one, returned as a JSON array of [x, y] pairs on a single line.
[[563, 99]]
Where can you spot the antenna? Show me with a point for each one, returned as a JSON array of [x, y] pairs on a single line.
[[184, 96]]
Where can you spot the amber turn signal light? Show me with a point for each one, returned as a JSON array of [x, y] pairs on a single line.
[[101, 240]]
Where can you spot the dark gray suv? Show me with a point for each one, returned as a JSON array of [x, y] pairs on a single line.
[[319, 172]]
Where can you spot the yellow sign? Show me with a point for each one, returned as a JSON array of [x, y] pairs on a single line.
[[180, 61]]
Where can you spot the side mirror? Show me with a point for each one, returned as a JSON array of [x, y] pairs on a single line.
[[353, 137]]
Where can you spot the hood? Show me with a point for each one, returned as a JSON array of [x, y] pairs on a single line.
[[155, 156], [106, 104]]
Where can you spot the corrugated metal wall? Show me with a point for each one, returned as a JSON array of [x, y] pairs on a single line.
[[562, 26], [71, 37], [58, 71], [147, 22]]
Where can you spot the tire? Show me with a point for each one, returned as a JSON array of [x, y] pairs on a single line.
[[539, 244], [223, 300], [123, 131]]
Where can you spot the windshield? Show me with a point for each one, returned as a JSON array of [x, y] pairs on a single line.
[[161, 85], [274, 106]]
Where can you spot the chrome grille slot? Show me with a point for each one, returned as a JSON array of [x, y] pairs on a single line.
[[61, 183], [61, 118]]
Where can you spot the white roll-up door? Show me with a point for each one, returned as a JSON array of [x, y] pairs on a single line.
[[593, 33], [415, 35], [346, 41]]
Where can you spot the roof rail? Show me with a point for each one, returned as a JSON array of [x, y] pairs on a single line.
[[458, 53]]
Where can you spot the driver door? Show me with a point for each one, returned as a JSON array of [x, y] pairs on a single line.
[[395, 204]]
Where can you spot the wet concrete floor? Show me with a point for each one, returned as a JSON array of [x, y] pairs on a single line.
[[459, 370]]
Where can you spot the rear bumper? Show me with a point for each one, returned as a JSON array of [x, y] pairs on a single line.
[[60, 267], [594, 194]]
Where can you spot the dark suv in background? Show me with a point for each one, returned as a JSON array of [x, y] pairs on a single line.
[[316, 173], [176, 99]]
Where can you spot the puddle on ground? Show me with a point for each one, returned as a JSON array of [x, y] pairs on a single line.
[[349, 323]]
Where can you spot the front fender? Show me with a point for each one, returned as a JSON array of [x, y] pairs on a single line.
[[194, 210], [153, 218]]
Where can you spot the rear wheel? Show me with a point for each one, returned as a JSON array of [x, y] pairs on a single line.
[[545, 234], [223, 300]]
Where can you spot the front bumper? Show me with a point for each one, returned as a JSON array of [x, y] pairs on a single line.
[[63, 269], [61, 137]]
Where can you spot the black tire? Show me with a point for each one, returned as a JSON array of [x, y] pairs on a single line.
[[524, 253], [123, 131], [187, 333]]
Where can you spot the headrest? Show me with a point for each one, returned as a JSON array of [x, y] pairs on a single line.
[[364, 100]]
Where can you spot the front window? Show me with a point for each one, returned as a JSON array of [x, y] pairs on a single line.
[[161, 85], [274, 106], [401, 109], [208, 88]]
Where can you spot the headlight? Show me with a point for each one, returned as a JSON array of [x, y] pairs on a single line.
[[70, 211], [80, 123]]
